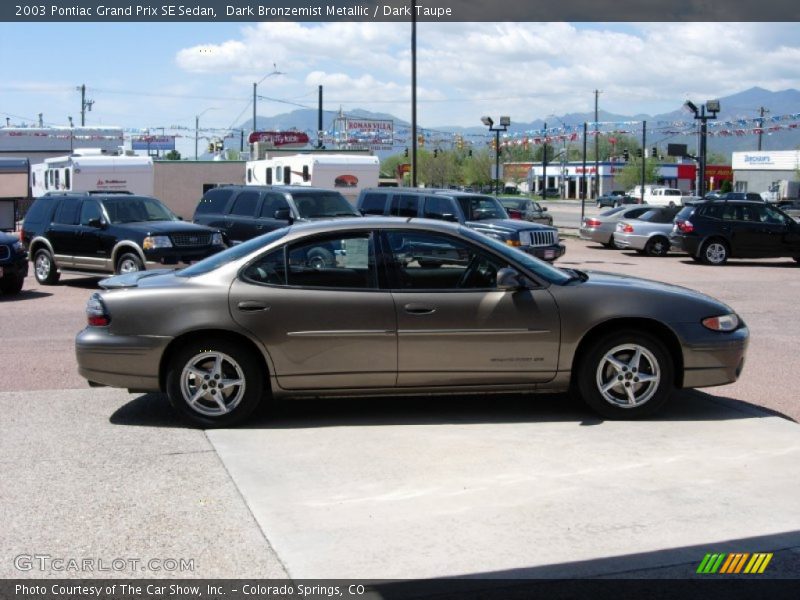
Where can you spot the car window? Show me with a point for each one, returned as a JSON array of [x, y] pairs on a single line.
[[245, 204], [215, 261], [404, 205], [130, 209], [436, 207], [714, 211], [319, 204], [39, 212], [686, 212], [775, 217], [269, 269], [477, 208], [90, 209], [272, 203], [635, 213], [373, 203], [613, 211], [429, 261], [340, 261], [214, 201], [67, 213], [731, 212]]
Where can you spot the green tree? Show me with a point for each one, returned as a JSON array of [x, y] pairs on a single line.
[[631, 174], [172, 155], [477, 169]]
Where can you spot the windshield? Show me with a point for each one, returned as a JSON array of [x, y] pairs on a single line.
[[132, 209], [215, 261], [314, 205], [477, 208], [541, 268]]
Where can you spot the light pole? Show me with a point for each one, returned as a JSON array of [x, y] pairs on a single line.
[[505, 122], [700, 115], [197, 127], [255, 86], [564, 186]]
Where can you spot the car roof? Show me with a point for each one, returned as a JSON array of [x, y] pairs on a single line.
[[274, 188], [435, 191], [377, 222]]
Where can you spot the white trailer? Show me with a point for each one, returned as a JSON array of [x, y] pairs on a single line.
[[344, 173], [92, 170]]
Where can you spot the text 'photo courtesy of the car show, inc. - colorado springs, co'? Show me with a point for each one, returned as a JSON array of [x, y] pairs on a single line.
[[399, 300]]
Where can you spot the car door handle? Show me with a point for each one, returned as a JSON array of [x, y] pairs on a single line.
[[251, 306], [418, 309]]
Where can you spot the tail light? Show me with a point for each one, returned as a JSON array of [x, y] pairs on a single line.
[[625, 228], [593, 222], [684, 226], [96, 312], [515, 214]]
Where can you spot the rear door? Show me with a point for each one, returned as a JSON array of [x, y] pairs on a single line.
[[454, 327], [242, 216], [64, 231]]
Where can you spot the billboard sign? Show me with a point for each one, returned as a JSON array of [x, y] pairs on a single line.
[[153, 142], [375, 134], [280, 139]]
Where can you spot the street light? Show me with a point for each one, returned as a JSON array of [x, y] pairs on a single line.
[[197, 127], [700, 115], [255, 86], [505, 122], [564, 185]]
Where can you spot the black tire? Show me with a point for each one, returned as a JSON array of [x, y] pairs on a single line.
[[44, 268], [594, 371], [714, 252], [796, 259], [237, 364], [128, 263], [657, 246], [11, 284], [320, 258], [696, 259]]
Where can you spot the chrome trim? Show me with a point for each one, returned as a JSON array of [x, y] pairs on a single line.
[[470, 331], [343, 333]]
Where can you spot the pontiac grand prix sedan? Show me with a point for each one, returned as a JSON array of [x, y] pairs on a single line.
[[409, 306]]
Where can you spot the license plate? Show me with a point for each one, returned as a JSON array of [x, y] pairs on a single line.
[[549, 253]]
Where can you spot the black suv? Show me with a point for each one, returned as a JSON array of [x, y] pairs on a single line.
[[13, 264], [246, 211], [109, 233], [716, 230], [482, 213]]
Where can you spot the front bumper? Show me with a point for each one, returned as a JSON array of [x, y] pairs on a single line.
[[711, 358], [176, 256], [124, 361], [548, 253], [17, 267]]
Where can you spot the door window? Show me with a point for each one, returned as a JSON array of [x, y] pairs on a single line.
[[90, 209], [245, 204], [67, 213], [214, 201], [272, 203], [439, 208], [425, 261], [404, 205], [373, 204]]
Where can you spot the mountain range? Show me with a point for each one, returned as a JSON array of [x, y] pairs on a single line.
[[742, 105]]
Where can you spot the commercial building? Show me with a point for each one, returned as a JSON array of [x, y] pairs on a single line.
[[764, 171]]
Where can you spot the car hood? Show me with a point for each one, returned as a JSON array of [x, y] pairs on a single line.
[[506, 226], [155, 227], [154, 278]]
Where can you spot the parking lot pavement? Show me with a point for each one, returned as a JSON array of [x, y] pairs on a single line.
[[515, 486], [82, 479]]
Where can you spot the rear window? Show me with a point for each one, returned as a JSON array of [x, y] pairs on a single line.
[[40, 211], [685, 212], [373, 204], [213, 201]]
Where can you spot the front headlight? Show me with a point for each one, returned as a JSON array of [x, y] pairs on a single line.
[[152, 242], [721, 323], [18, 247], [216, 239]]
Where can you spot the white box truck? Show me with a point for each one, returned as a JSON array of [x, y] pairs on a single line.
[[347, 174], [91, 170]]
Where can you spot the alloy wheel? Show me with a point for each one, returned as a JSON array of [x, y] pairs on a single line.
[[212, 383], [628, 376]]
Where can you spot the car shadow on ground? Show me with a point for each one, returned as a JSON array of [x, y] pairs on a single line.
[[24, 295], [154, 410], [790, 264], [88, 283]]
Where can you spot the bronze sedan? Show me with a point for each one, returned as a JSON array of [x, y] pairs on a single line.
[[407, 306]]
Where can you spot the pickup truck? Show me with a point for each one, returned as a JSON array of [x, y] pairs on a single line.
[[664, 196]]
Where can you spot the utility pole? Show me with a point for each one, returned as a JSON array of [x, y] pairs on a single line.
[[596, 146], [644, 157], [583, 175], [85, 104], [761, 125], [319, 120], [544, 165], [413, 96]]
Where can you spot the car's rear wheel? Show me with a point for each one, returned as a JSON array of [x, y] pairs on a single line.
[[626, 375], [11, 284], [129, 263], [714, 252], [44, 269], [320, 258], [657, 246], [215, 383]]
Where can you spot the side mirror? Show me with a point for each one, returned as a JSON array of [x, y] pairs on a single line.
[[449, 217], [96, 222], [283, 214], [509, 280], [544, 208]]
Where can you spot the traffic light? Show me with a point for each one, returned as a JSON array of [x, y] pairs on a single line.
[[436, 153], [626, 155], [655, 152], [639, 152], [406, 153]]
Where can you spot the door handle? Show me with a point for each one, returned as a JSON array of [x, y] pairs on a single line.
[[251, 306], [419, 309]]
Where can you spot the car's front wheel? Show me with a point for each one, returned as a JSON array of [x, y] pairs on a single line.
[[215, 382], [626, 375], [129, 263], [44, 268]]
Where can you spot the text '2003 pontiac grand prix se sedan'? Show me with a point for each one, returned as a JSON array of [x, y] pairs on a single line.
[[409, 306]]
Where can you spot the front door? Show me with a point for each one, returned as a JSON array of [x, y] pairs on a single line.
[[325, 324], [455, 327]]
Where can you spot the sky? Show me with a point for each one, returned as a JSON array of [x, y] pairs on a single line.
[[154, 75]]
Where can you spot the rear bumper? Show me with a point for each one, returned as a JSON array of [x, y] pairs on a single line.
[[594, 235], [120, 361], [630, 241], [683, 243]]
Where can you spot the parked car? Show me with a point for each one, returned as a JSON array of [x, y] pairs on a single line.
[[109, 233], [13, 264], [254, 322], [242, 212], [714, 231], [601, 228], [551, 192], [614, 200], [791, 208], [482, 213], [648, 233], [527, 210]]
